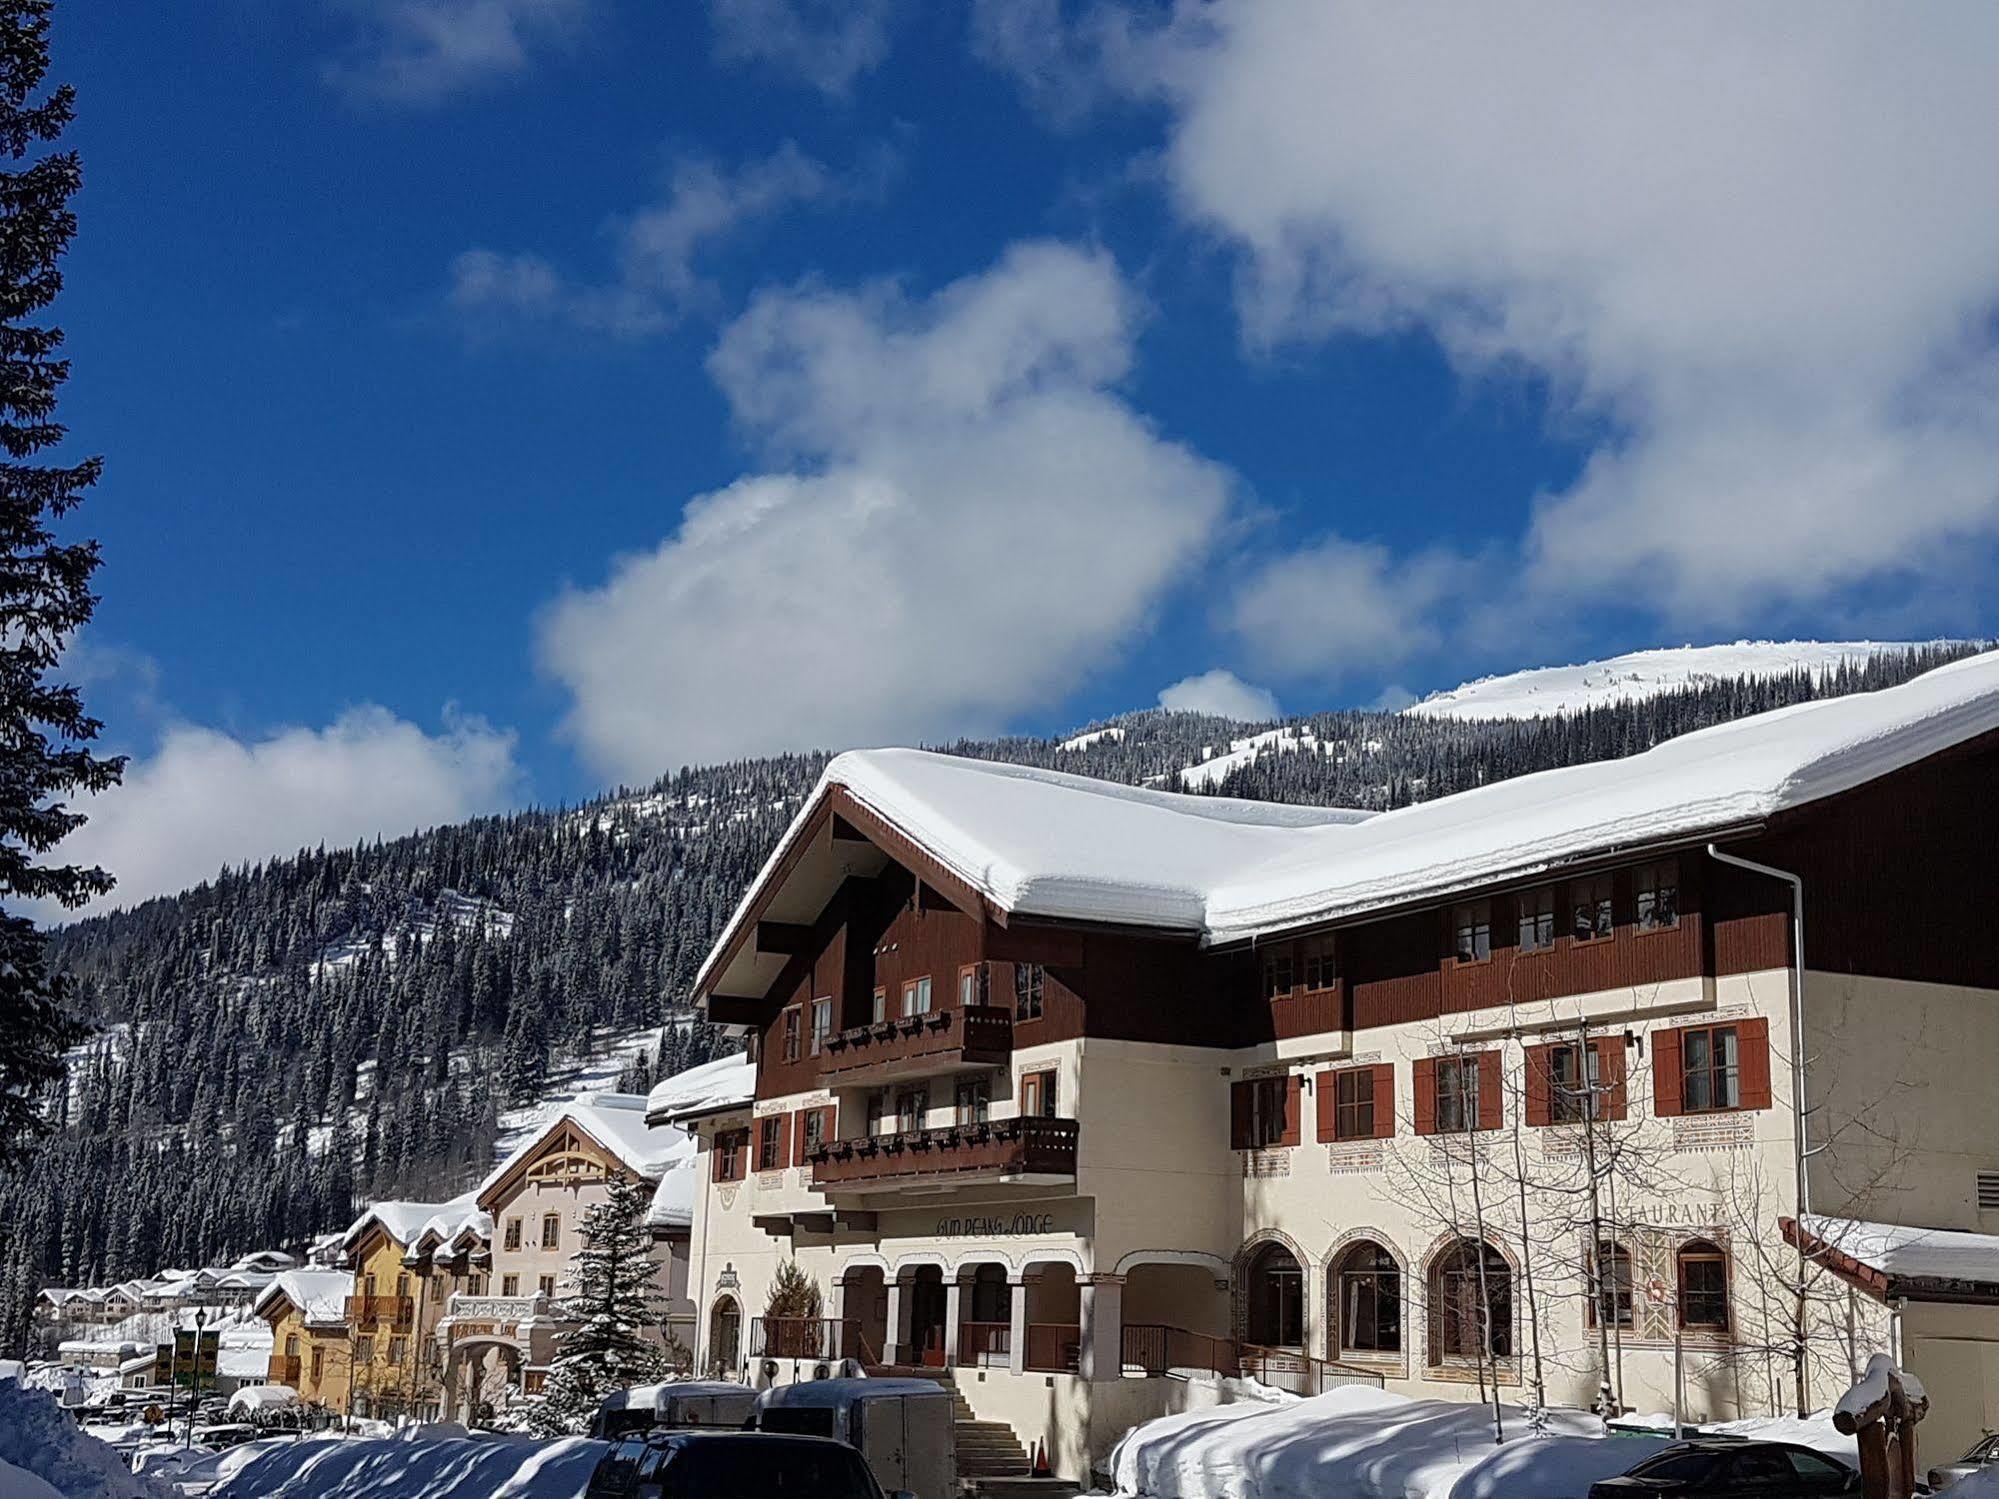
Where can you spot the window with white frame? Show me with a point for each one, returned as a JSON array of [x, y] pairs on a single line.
[[1590, 909], [1537, 919], [1471, 927]]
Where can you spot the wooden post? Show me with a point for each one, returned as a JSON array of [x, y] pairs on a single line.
[[1881, 1412]]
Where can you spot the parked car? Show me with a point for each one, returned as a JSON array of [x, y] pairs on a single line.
[[678, 1404], [1985, 1451], [731, 1465], [1720, 1465]]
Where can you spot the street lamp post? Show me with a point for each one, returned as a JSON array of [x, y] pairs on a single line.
[[194, 1386]]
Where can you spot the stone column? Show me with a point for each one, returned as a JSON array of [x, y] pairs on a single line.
[[892, 1334], [1017, 1314], [1102, 1316], [954, 1290]]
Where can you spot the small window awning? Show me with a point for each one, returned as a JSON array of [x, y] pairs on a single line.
[[1894, 1262]]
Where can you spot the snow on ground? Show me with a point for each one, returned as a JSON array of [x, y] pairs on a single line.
[[1215, 766], [423, 1468], [1549, 690], [1361, 1443], [37, 1435], [1084, 740], [595, 1073]]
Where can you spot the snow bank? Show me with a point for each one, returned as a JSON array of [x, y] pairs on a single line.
[[435, 1468], [1363, 1443], [37, 1436], [19, 1483]]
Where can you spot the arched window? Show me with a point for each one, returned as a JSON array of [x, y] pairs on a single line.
[[1367, 1300], [1471, 1303], [1703, 1275], [1275, 1288], [1610, 1273]]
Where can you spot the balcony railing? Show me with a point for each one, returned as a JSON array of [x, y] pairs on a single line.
[[805, 1337], [285, 1369], [978, 1034], [985, 1345], [998, 1147], [391, 1311], [1300, 1373], [1054, 1347], [468, 1308], [1154, 1349]]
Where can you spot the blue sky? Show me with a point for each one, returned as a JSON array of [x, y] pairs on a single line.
[[1031, 358]]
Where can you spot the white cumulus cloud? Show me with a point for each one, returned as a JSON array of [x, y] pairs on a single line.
[[826, 43], [422, 52], [204, 798], [960, 517], [1746, 250], [1222, 693]]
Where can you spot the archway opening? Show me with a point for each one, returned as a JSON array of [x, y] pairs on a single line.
[[725, 1337], [864, 1313], [1274, 1298], [1054, 1318], [1176, 1320], [924, 1313], [985, 1324], [1471, 1303]]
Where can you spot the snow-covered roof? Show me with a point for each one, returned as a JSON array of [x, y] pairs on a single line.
[[1037, 842], [1892, 1256], [321, 1295], [406, 1222], [725, 1083], [617, 1122], [673, 1200], [461, 1217]]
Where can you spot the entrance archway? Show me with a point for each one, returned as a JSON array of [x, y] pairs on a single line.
[[1273, 1288], [725, 1336], [864, 1310], [985, 1323]]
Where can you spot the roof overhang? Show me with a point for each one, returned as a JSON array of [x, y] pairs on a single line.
[[1883, 1285]]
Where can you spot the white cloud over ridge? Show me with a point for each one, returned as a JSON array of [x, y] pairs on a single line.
[[1223, 694], [1749, 243], [205, 799], [959, 517], [658, 250], [422, 52]]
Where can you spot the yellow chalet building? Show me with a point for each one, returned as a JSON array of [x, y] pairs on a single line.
[[1087, 1097], [311, 1350], [402, 1285], [497, 1337]]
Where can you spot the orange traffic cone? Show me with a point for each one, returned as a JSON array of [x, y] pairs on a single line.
[[1041, 1468]]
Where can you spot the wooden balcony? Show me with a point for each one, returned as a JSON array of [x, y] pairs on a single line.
[[999, 1150], [381, 1311], [940, 1041]]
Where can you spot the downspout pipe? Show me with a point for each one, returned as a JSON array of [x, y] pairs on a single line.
[[1802, 1149]]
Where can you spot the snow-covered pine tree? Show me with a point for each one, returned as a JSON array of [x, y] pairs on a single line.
[[612, 1299], [45, 592]]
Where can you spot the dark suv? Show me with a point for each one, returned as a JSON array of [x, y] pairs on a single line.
[[1722, 1465], [731, 1465]]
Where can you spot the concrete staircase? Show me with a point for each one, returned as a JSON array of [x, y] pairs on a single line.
[[986, 1449]]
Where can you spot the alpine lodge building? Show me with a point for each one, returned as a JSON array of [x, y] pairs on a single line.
[[1094, 1099]]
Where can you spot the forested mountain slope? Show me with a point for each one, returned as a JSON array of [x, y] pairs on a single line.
[[350, 1023]]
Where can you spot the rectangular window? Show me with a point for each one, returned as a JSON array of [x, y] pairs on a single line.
[[881, 1006], [822, 1023], [364, 1350], [813, 1131], [770, 1142], [730, 1147], [1353, 1104], [1537, 919], [1575, 1079], [1471, 926], [916, 998], [1657, 903], [475, 1284], [1278, 975], [398, 1349], [291, 1345], [912, 1108], [1037, 1095], [975, 1100], [547, 1284], [973, 983], [510, 1285], [1611, 1270], [551, 1231], [1457, 1095], [878, 1112], [1704, 1288], [791, 1017], [318, 1363], [1711, 1069], [1261, 1106], [1316, 968], [402, 1285], [513, 1240], [1028, 987], [368, 1286], [1589, 909]]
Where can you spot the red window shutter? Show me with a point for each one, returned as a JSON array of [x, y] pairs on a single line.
[[1491, 1100], [1239, 1116], [798, 1135], [1325, 1087], [1384, 1101], [1426, 1095], [1610, 1076], [1753, 1056], [1667, 1068], [1293, 1108], [784, 1135], [715, 1160], [1540, 1097]]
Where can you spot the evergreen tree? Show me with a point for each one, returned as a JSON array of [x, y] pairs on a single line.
[[45, 592], [612, 1299], [794, 1295]]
